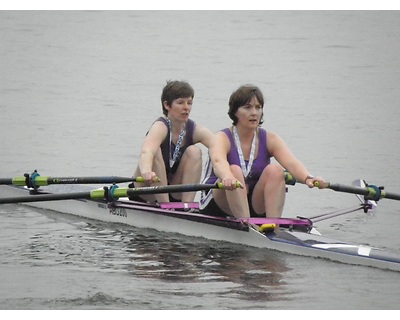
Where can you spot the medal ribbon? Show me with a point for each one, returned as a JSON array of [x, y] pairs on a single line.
[[245, 170], [178, 144]]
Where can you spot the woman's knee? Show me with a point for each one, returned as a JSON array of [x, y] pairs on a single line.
[[193, 152], [274, 171]]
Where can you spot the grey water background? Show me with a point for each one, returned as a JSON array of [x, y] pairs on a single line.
[[78, 91]]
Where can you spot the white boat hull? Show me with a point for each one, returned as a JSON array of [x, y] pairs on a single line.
[[218, 229]]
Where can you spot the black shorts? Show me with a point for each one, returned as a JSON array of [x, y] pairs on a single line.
[[212, 209], [138, 198]]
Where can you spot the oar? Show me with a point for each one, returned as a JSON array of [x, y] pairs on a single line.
[[289, 179], [112, 193], [37, 180], [370, 192]]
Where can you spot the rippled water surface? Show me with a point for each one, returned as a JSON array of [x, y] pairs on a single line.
[[78, 92]]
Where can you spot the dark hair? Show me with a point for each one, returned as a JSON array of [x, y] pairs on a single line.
[[241, 97], [174, 90]]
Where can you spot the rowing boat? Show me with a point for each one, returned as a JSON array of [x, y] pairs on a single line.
[[295, 236]]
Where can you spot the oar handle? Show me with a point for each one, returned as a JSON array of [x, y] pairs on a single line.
[[221, 186]]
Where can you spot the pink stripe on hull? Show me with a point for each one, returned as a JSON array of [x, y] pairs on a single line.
[[179, 205]]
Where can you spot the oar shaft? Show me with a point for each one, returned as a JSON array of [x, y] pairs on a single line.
[[85, 180], [349, 189], [6, 181], [390, 195], [39, 181], [111, 194], [370, 192], [36, 180], [128, 192], [47, 197]]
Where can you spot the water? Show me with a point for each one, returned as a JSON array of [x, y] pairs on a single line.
[[78, 92]]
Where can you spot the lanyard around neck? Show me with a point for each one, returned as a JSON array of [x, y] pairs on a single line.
[[175, 155], [245, 169]]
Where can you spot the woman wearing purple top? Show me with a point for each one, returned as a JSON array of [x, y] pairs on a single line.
[[240, 156], [169, 154]]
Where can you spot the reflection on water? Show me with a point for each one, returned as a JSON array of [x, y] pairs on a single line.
[[258, 275], [56, 261], [236, 270]]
